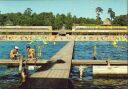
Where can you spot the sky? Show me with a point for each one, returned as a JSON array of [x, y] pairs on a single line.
[[80, 8]]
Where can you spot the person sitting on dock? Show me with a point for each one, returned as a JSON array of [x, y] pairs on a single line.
[[14, 53], [31, 53]]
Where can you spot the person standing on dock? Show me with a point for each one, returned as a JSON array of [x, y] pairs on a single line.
[[14, 53], [31, 53]]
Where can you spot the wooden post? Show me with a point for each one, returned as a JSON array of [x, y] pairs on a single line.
[[108, 62], [20, 63], [81, 68], [94, 53], [39, 51]]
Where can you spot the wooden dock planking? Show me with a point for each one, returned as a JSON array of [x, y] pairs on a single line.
[[110, 71], [16, 62], [98, 62], [57, 76], [58, 69], [75, 62], [7, 62]]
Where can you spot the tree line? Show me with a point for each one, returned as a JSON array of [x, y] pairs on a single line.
[[30, 18], [121, 20]]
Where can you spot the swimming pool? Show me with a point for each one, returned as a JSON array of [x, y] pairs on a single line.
[[48, 50], [104, 50], [82, 50]]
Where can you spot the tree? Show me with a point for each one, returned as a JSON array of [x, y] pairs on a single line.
[[68, 21], [56, 21], [28, 11], [112, 13], [3, 19], [27, 17], [121, 20], [98, 11]]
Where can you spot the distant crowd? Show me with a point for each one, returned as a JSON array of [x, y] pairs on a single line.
[[63, 38]]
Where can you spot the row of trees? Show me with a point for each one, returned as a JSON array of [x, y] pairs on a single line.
[[99, 10], [29, 18]]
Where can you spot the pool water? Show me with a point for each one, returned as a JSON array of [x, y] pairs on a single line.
[[82, 50], [48, 50], [9, 78], [104, 50]]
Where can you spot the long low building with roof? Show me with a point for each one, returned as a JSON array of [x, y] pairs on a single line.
[[77, 30]]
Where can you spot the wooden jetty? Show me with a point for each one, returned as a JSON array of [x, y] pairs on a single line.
[[56, 75], [90, 62], [17, 62], [64, 54], [110, 71], [75, 62]]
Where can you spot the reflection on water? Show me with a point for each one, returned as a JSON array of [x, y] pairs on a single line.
[[9, 78], [101, 84], [87, 81]]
